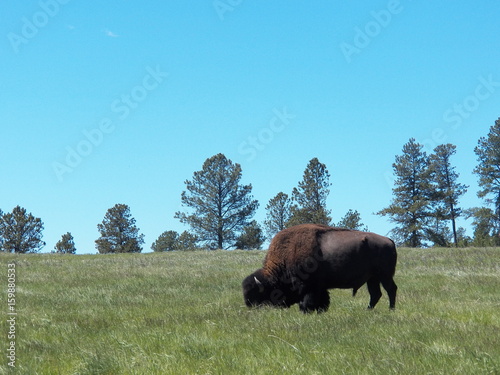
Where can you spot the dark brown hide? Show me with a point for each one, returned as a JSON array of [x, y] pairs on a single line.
[[304, 261], [292, 247]]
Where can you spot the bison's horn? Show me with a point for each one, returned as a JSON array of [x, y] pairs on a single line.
[[259, 284]]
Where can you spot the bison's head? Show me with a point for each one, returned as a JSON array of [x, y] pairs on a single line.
[[258, 291]]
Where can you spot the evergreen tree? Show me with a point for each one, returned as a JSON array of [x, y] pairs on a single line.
[[278, 214], [222, 206], [21, 232], [251, 238], [463, 239], [187, 241], [410, 207], [310, 196], [66, 245], [118, 232], [170, 240], [437, 231], [488, 170], [447, 192], [485, 225], [167, 241], [352, 220]]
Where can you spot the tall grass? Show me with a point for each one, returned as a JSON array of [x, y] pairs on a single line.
[[183, 313]]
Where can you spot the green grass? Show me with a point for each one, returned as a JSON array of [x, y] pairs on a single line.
[[183, 313]]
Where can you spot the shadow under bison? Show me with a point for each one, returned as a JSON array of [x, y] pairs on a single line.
[[306, 260]]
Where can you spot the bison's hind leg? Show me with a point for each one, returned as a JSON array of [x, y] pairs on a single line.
[[375, 292], [315, 301], [391, 288]]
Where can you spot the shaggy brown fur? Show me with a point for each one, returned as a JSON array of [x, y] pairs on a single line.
[[293, 246]]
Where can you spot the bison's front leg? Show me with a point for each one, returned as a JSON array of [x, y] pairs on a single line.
[[318, 300]]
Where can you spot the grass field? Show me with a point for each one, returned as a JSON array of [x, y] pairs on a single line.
[[183, 313]]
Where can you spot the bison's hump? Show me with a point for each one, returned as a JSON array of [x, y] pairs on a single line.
[[293, 246]]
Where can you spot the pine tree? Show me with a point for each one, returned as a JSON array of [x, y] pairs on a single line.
[[167, 241], [410, 207], [251, 238], [170, 240], [488, 169], [21, 232], [186, 241], [310, 196], [463, 239], [118, 232], [447, 191], [66, 245], [352, 220], [485, 226], [278, 214], [222, 206]]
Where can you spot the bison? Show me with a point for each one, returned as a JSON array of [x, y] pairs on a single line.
[[304, 261]]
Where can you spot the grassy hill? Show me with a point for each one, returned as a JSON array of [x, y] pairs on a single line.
[[183, 313]]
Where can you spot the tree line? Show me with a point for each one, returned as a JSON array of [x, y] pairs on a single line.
[[219, 209], [426, 193]]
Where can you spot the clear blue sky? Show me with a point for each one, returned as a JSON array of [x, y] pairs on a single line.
[[121, 101]]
